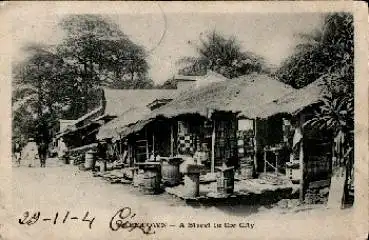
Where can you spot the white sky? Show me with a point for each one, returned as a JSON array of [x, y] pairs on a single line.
[[271, 35]]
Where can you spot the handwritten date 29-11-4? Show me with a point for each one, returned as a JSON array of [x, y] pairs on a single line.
[[29, 219]]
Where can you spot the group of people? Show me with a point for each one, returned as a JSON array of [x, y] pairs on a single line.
[[31, 152]]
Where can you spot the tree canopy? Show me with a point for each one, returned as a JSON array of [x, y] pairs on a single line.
[[222, 55], [328, 50], [64, 81]]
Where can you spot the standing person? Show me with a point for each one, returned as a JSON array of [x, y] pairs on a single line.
[[42, 153], [17, 153], [62, 150], [30, 153]]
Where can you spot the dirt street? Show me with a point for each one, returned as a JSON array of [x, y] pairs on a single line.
[[62, 188]]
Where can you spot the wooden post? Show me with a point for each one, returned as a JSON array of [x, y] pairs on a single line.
[[171, 140], [147, 145], [153, 143], [265, 160], [255, 145], [276, 162], [120, 144], [213, 149], [301, 160]]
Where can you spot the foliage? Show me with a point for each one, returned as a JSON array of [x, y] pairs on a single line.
[[328, 50], [36, 81], [101, 54], [337, 110], [327, 54], [222, 55], [335, 48], [65, 81]]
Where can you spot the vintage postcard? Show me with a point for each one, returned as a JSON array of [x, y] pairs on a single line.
[[184, 120]]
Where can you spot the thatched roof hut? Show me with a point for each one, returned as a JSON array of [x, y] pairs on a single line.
[[251, 96], [245, 95]]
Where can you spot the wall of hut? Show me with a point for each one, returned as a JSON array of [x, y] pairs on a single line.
[[318, 153]]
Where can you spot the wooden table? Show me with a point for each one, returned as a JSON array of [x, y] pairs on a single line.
[[276, 151]]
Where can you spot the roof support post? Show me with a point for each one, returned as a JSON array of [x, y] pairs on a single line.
[[153, 143], [301, 158], [213, 149], [171, 140], [255, 144], [147, 145]]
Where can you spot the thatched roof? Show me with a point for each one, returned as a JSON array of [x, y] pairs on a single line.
[[131, 105], [246, 95], [295, 101], [251, 96], [113, 128], [118, 101]]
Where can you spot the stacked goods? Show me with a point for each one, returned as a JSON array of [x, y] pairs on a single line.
[[317, 192], [275, 179], [225, 182]]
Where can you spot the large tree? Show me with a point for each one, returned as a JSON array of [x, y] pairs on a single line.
[[64, 81], [327, 50], [36, 96], [100, 54], [222, 55]]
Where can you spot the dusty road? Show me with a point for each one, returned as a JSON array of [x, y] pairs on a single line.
[[61, 189]]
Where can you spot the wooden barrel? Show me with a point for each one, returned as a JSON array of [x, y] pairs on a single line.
[[150, 182], [247, 170], [225, 183], [170, 173], [89, 160], [192, 184]]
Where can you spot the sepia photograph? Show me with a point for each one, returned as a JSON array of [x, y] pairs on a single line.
[[162, 123]]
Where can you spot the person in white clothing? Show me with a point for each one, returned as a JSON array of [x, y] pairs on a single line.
[[62, 150], [30, 153]]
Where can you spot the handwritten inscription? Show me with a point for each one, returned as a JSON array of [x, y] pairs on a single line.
[[123, 219], [30, 219]]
